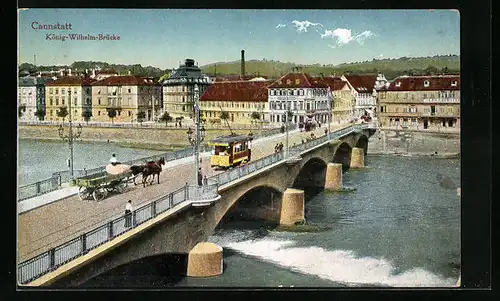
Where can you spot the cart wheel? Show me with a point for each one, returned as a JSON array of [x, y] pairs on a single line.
[[99, 194], [120, 188], [83, 193]]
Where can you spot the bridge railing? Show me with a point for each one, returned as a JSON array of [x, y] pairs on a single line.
[[54, 182], [49, 261], [46, 262]]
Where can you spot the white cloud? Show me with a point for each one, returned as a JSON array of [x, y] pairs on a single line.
[[301, 26], [344, 36], [341, 36]]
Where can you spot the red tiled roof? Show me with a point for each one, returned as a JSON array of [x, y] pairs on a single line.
[[304, 81], [362, 83], [237, 78], [416, 83], [125, 80], [236, 91], [71, 81], [334, 82]]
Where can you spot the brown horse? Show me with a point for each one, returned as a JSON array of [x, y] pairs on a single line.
[[152, 168], [136, 170]]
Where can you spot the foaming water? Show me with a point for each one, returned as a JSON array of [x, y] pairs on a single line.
[[340, 266]]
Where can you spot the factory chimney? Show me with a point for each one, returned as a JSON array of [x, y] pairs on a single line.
[[242, 63]]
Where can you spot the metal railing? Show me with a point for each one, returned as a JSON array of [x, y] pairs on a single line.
[[46, 262], [55, 182]]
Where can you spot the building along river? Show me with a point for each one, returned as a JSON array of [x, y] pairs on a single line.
[[398, 228]]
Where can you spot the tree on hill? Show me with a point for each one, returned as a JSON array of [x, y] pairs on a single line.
[[40, 113], [112, 114], [62, 113]]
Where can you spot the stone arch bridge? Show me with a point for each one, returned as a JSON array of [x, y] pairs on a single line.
[[179, 231]]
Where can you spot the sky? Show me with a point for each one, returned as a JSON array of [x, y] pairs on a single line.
[[165, 37]]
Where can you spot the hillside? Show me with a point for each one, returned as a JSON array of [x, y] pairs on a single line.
[[390, 67]]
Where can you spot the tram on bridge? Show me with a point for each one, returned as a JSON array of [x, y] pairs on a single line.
[[230, 151]]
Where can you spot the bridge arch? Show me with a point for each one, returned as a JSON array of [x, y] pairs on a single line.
[[363, 143], [261, 202], [311, 174], [343, 155]]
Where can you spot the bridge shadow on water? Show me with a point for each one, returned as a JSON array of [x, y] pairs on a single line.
[[151, 272]]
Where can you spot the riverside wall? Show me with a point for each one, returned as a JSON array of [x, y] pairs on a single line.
[[138, 136], [414, 143]]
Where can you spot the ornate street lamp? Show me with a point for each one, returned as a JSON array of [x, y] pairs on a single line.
[[70, 137], [199, 133]]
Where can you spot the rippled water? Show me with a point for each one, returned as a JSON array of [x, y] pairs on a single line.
[[398, 228], [38, 159]]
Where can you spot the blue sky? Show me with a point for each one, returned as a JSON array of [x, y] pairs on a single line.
[[165, 37]]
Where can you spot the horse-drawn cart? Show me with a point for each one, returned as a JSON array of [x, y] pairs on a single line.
[[98, 185]]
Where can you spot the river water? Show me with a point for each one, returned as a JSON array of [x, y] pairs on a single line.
[[38, 159], [398, 228]]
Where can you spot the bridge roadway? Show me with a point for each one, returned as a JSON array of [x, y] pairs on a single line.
[[48, 226]]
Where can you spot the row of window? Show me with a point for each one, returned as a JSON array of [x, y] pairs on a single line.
[[63, 99], [300, 105], [212, 114], [423, 95], [63, 90], [298, 92], [227, 104], [415, 109]]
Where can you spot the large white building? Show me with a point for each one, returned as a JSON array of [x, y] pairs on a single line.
[[305, 96], [364, 88]]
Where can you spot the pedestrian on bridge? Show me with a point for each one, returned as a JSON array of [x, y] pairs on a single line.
[[128, 214], [200, 177]]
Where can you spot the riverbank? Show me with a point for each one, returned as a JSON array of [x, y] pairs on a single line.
[[404, 143], [143, 138]]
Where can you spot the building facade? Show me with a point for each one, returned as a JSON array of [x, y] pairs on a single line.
[[343, 99], [421, 103], [305, 96], [60, 92], [364, 89], [127, 95], [242, 100], [31, 97], [178, 89]]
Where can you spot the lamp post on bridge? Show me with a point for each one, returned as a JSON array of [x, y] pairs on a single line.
[[70, 137], [199, 132]]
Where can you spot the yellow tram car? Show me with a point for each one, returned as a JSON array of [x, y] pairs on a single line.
[[230, 151]]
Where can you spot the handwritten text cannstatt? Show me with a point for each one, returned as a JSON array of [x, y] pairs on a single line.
[[50, 36]]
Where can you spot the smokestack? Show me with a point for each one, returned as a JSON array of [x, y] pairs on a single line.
[[243, 63]]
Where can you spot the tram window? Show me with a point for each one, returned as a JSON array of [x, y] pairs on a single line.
[[220, 150]]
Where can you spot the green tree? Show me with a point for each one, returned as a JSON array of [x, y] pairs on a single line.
[[430, 70], [255, 116], [224, 115], [40, 113], [166, 118], [87, 114], [141, 115], [112, 114], [62, 113]]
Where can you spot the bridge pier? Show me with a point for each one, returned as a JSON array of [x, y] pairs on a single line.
[[357, 157], [292, 207], [333, 180], [205, 260]]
